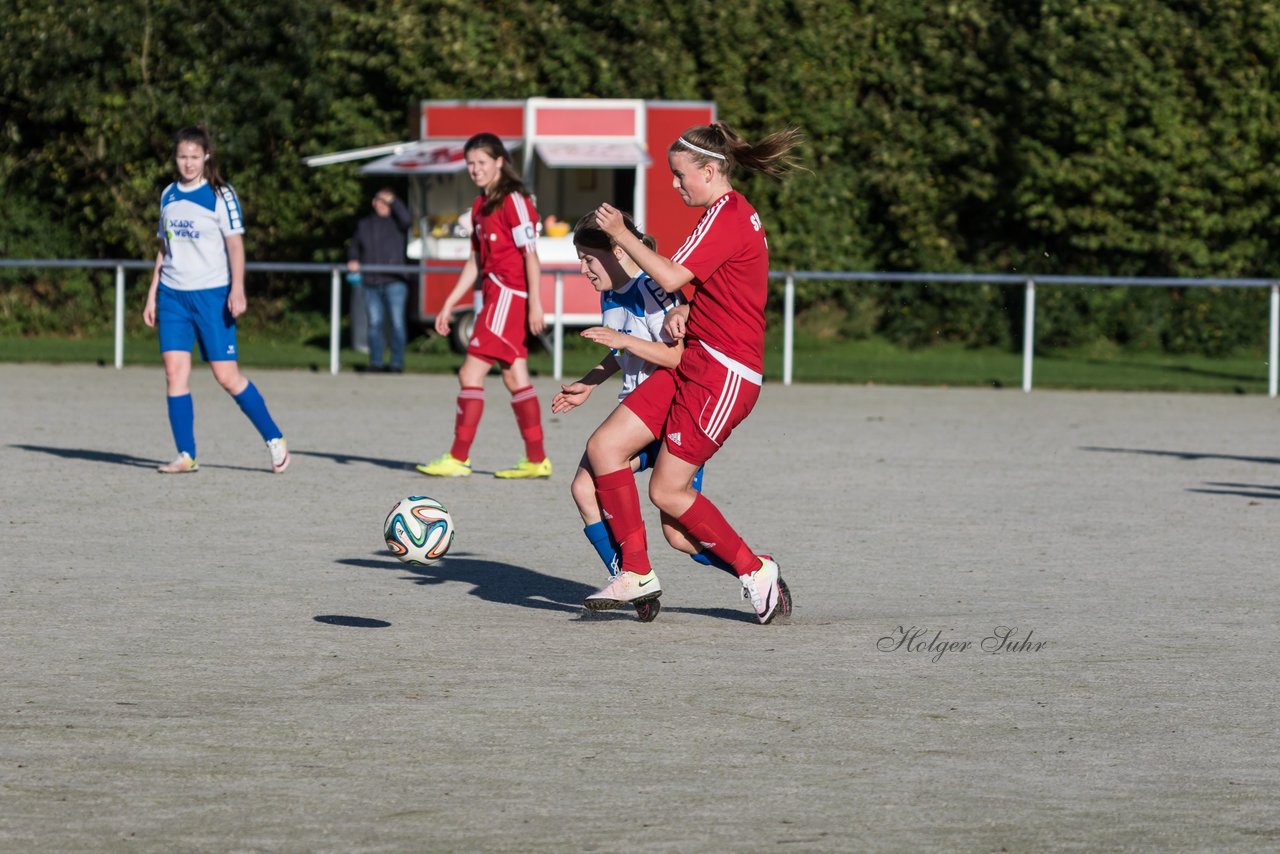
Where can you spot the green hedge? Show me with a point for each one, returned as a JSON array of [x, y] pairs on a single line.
[[1123, 138]]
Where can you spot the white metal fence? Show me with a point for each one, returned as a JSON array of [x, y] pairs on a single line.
[[1029, 284]]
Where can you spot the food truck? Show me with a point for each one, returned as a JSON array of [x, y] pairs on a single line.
[[574, 153]]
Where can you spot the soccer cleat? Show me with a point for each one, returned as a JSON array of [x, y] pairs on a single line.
[[181, 465], [627, 588], [446, 466], [279, 454], [647, 612], [767, 591], [526, 469]]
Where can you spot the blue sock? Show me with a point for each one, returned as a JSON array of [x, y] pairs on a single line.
[[600, 539], [252, 404], [708, 559], [182, 421]]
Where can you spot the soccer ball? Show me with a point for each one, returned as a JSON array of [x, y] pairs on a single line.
[[418, 530]]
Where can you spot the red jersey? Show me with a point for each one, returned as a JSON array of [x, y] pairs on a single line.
[[729, 259], [501, 238]]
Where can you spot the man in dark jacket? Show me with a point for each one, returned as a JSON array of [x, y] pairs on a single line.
[[380, 239]]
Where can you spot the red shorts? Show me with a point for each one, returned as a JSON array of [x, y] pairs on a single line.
[[502, 330], [694, 407]]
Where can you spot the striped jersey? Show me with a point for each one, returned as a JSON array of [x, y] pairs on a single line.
[[194, 225], [637, 308], [501, 238], [729, 259]]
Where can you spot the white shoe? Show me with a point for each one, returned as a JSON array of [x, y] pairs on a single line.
[[181, 465], [279, 454], [627, 588], [767, 591]]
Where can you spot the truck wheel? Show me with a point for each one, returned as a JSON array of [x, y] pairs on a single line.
[[463, 324]]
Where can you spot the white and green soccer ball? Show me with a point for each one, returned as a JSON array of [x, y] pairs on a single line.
[[418, 530]]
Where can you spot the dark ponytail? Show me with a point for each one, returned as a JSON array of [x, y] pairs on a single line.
[[589, 235]]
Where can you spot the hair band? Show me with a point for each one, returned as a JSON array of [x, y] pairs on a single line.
[[702, 150]]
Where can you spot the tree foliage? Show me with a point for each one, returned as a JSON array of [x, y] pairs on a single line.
[[1126, 138]]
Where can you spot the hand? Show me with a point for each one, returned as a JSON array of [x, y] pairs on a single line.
[[149, 312], [570, 396], [610, 220], [443, 321], [236, 303], [537, 321], [353, 266], [677, 322], [611, 338]]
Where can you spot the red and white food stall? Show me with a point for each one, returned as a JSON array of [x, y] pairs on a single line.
[[574, 153]]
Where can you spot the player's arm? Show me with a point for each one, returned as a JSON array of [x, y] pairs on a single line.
[[576, 394], [149, 310], [533, 282], [660, 353], [235, 255], [466, 282], [669, 275], [676, 322]]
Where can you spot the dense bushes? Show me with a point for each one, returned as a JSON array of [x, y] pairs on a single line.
[[1135, 138]]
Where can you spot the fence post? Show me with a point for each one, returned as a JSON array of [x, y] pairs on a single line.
[[788, 327], [335, 319], [119, 316], [1028, 334], [1275, 339], [557, 335]]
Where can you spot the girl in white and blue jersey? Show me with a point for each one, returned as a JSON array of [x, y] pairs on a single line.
[[633, 309], [197, 292]]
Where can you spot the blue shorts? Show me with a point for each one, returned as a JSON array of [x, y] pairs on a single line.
[[187, 317], [649, 454]]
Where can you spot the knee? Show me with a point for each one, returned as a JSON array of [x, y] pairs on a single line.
[[233, 382], [597, 451], [583, 490], [661, 496]]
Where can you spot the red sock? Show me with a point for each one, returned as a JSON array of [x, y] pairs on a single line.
[[705, 524], [470, 408], [524, 402], [620, 505]]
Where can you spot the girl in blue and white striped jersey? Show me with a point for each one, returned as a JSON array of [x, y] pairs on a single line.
[[197, 292]]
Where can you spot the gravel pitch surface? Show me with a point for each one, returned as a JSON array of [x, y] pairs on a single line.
[[1022, 622]]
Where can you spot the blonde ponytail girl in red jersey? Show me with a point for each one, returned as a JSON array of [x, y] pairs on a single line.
[[694, 407]]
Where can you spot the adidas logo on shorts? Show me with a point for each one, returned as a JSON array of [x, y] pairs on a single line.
[[674, 438]]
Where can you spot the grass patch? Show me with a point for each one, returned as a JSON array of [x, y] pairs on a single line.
[[816, 359]]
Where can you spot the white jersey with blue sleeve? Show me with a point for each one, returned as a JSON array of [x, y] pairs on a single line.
[[194, 225], [637, 308]]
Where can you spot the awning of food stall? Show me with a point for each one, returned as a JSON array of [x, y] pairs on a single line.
[[603, 154], [426, 157]]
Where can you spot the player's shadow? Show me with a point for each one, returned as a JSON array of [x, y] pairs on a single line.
[[351, 459], [1244, 490], [508, 584], [89, 455], [1184, 455], [491, 581]]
